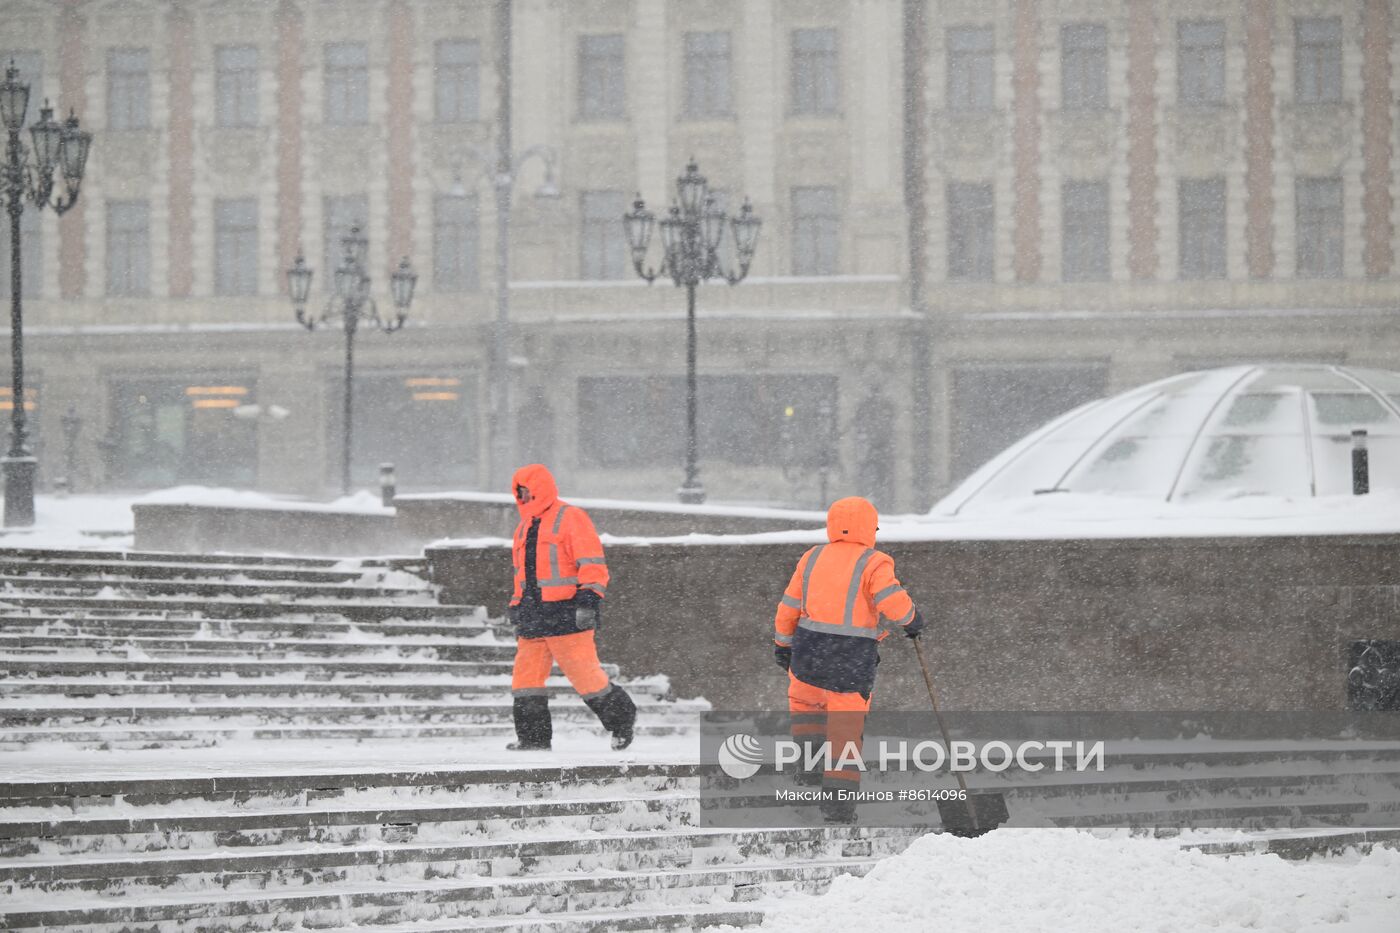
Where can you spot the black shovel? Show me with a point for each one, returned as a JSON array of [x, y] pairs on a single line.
[[976, 813]]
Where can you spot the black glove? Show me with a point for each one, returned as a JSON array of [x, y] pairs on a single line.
[[915, 626], [587, 614], [783, 655]]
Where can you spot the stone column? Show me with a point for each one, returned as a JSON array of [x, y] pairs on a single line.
[[1259, 138], [1142, 140], [72, 80], [399, 123], [1377, 175], [289, 133], [1025, 84], [180, 29]]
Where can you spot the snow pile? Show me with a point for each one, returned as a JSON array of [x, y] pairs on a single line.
[[1027, 881], [84, 521], [364, 501]]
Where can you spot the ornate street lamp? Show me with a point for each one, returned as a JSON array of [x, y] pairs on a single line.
[[691, 234], [29, 176], [351, 304]]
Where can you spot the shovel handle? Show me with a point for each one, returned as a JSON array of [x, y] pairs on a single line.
[[943, 727]]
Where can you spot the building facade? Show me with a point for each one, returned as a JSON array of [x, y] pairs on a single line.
[[975, 216]]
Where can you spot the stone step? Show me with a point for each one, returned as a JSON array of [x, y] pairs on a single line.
[[388, 902], [209, 587], [485, 647], [746, 913], [134, 875], [40, 555], [252, 830], [327, 627], [293, 789], [149, 737], [11, 667], [174, 569], [25, 693], [1304, 845], [488, 708], [361, 610]]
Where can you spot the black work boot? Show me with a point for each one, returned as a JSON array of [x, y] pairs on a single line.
[[618, 714], [804, 776], [534, 731], [835, 809]]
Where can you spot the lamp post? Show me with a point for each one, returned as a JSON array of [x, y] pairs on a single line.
[[690, 238], [29, 176], [501, 172], [352, 304]]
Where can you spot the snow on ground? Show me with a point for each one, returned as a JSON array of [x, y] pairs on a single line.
[[1028, 881]]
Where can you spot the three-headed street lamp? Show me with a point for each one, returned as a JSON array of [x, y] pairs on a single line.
[[691, 233], [351, 304], [29, 176]]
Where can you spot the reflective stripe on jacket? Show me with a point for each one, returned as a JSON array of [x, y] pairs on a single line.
[[569, 556]]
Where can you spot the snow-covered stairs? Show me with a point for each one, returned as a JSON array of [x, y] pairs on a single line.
[[613, 847], [128, 650]]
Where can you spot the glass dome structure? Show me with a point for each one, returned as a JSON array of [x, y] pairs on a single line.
[[1281, 430]]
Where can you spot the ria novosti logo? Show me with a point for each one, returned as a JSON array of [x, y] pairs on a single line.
[[740, 756]]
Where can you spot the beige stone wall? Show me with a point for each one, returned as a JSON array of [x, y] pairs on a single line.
[[855, 326]]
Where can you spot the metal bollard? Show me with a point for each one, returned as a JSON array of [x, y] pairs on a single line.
[[388, 485], [1360, 464]]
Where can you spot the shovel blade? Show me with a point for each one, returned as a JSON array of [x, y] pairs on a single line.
[[980, 813]]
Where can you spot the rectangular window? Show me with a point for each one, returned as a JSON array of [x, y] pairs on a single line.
[[602, 93], [816, 82], [31, 265], [128, 249], [971, 244], [167, 432], [236, 246], [816, 231], [31, 72], [1084, 211], [422, 420], [236, 85], [1317, 62], [602, 245], [456, 244], [1084, 66], [128, 89], [971, 56], [457, 71], [339, 214], [1201, 228], [1320, 231], [640, 420], [707, 74], [347, 83], [1200, 63]]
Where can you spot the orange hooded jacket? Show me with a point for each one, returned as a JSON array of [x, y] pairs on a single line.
[[842, 599], [568, 555]]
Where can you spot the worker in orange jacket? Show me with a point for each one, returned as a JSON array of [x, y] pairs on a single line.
[[561, 577], [842, 601]]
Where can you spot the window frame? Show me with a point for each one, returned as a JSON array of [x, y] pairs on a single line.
[[457, 85], [1203, 86], [711, 97], [463, 235], [816, 233], [236, 88], [1082, 235], [1320, 240], [135, 280], [964, 264], [1319, 65], [594, 52], [1190, 222], [238, 278], [128, 90], [345, 87], [1084, 67], [977, 65], [807, 97]]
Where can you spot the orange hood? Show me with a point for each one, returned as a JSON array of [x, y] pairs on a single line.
[[852, 519], [543, 490]]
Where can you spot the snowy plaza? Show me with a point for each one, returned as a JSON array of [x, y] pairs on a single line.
[[545, 466]]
